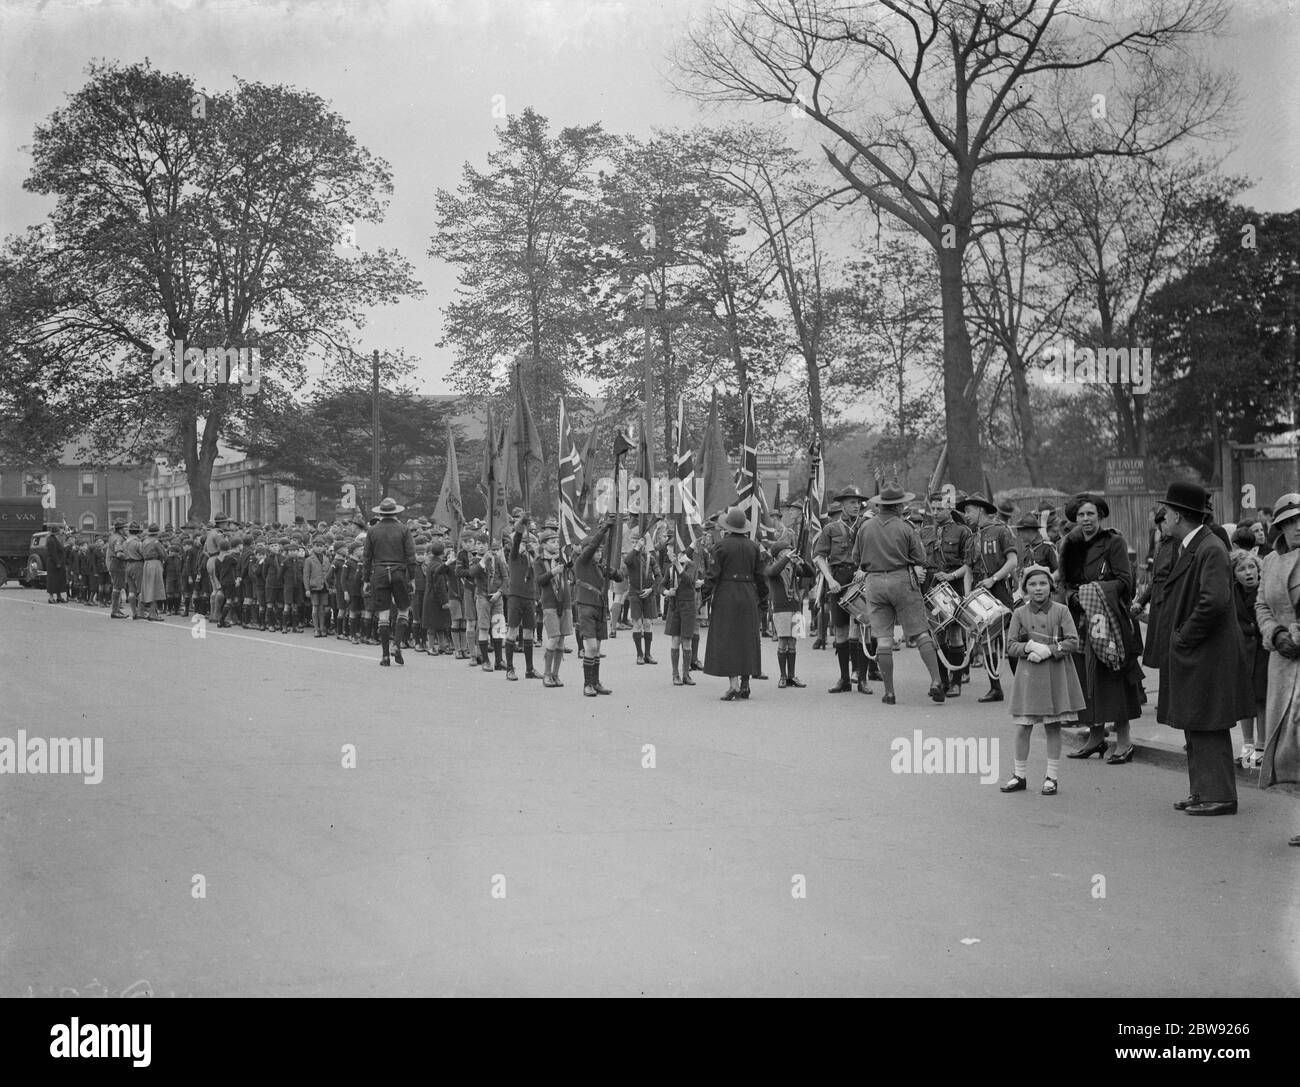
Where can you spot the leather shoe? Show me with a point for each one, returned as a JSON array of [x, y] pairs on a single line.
[[990, 696], [937, 693], [1212, 807], [862, 687], [1183, 805], [841, 687]]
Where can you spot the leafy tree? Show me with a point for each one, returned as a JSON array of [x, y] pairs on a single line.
[[1227, 336], [210, 219]]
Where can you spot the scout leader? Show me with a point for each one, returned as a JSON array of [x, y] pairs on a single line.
[[390, 568], [889, 554]]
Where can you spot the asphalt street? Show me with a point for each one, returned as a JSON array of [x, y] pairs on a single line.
[[498, 838]]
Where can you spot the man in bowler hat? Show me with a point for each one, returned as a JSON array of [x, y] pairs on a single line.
[[1205, 682]]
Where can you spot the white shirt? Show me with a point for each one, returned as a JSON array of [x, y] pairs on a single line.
[[1188, 538]]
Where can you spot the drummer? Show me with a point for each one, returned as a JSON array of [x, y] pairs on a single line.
[[993, 558], [891, 558], [833, 556], [947, 543]]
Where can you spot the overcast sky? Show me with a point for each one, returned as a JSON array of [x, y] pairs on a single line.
[[416, 79]]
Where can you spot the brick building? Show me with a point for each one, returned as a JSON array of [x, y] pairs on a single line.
[[84, 493]]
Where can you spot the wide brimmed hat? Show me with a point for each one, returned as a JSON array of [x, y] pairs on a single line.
[[1072, 506], [1028, 521], [735, 521], [119, 523], [153, 529], [220, 518], [1182, 495], [852, 492], [892, 495], [387, 508], [1028, 571], [1006, 507], [1285, 508], [134, 528], [975, 500]]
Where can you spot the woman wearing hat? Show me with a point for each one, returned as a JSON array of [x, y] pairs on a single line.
[[153, 589], [1277, 610], [56, 565], [1091, 554], [738, 588]]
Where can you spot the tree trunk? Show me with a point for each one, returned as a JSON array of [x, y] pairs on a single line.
[[1031, 448], [961, 404], [814, 392]]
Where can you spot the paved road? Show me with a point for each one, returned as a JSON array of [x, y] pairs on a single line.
[[223, 758]]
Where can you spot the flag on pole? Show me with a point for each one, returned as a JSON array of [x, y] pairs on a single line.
[[585, 478], [714, 468], [811, 526], [572, 530], [689, 517], [493, 480], [524, 452], [448, 511], [748, 491]]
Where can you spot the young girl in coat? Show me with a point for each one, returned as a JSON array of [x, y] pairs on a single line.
[[1047, 690]]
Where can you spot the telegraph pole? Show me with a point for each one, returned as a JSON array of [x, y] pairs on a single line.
[[374, 420]]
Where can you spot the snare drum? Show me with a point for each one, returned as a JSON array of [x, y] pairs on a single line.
[[853, 600], [942, 605], [981, 611]]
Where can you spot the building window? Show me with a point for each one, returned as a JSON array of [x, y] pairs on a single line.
[[88, 484], [87, 522], [33, 482]]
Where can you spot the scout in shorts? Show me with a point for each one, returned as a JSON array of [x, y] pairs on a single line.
[[681, 602], [551, 573], [890, 556]]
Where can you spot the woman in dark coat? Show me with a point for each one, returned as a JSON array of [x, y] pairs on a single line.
[[738, 589], [56, 566], [1092, 554]]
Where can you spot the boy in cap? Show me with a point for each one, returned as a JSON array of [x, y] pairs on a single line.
[[272, 573], [783, 595], [358, 614], [441, 588], [681, 601], [291, 585], [591, 580], [313, 576]]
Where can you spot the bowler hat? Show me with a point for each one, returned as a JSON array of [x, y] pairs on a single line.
[[735, 521], [975, 500], [892, 495], [387, 508], [1072, 506], [1184, 496]]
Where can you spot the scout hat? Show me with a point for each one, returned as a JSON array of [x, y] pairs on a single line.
[[852, 492], [1006, 507], [134, 528], [387, 508], [735, 521], [153, 529], [119, 523], [1028, 522], [975, 500], [892, 495], [1036, 569], [1103, 507]]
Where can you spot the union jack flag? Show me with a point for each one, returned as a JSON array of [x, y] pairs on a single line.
[[572, 530], [689, 518]]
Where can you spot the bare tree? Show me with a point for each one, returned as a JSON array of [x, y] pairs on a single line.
[[918, 99]]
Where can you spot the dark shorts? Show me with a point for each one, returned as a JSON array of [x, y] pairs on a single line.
[[319, 597], [273, 594], [839, 617], [118, 574], [390, 588], [521, 612], [292, 595], [640, 607], [593, 622], [678, 625], [259, 593], [134, 573]]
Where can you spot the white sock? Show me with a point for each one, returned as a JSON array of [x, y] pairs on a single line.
[[1022, 767], [1053, 768]]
